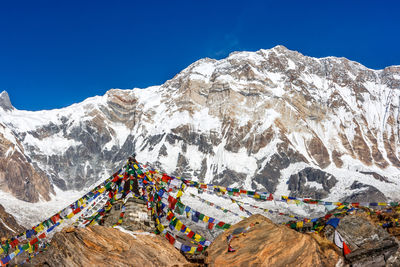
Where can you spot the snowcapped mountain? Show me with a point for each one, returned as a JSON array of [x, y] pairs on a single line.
[[272, 120]]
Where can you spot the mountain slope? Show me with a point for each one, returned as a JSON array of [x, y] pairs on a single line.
[[272, 120], [18, 174]]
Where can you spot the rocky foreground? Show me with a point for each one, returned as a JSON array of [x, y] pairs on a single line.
[[103, 246], [255, 241]]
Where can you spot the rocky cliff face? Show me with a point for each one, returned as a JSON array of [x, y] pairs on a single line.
[[8, 226], [272, 120], [18, 174]]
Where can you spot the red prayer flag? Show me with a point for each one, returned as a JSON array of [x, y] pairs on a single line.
[[54, 219], [346, 249], [76, 211], [170, 238], [231, 249], [172, 201], [14, 243], [43, 235], [191, 234], [116, 178], [33, 241], [170, 216], [210, 226]]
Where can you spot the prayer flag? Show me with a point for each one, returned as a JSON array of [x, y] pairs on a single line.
[[170, 238], [346, 249], [338, 239]]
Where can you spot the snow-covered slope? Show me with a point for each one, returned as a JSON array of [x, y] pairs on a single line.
[[272, 120]]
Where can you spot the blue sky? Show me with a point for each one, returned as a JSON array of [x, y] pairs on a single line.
[[55, 53]]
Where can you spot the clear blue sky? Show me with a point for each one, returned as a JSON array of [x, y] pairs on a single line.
[[55, 53]]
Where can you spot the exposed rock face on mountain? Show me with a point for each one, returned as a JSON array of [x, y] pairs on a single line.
[[268, 244], [18, 174], [8, 226], [103, 246], [272, 120]]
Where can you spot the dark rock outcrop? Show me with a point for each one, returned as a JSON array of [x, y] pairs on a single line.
[[365, 193], [370, 244], [299, 188]]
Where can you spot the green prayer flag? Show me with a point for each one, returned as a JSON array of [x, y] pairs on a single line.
[[201, 216], [179, 208]]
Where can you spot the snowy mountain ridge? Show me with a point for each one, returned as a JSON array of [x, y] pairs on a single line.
[[272, 120]]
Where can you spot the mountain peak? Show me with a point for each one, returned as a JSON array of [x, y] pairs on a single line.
[[5, 102]]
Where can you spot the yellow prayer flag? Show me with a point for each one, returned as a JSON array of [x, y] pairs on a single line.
[[101, 190], [197, 237], [39, 228], [192, 250], [135, 166], [206, 218], [299, 224], [30, 249], [179, 194], [69, 216], [178, 225], [382, 204], [160, 228], [187, 230], [1, 251]]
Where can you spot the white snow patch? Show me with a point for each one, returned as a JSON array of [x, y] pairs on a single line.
[[54, 144]]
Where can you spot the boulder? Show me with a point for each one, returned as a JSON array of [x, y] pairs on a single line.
[[370, 244], [269, 244]]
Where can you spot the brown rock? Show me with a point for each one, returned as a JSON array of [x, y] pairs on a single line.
[[102, 246], [319, 152], [268, 244], [17, 174], [8, 225]]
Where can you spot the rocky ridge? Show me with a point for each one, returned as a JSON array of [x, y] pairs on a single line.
[[103, 246]]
